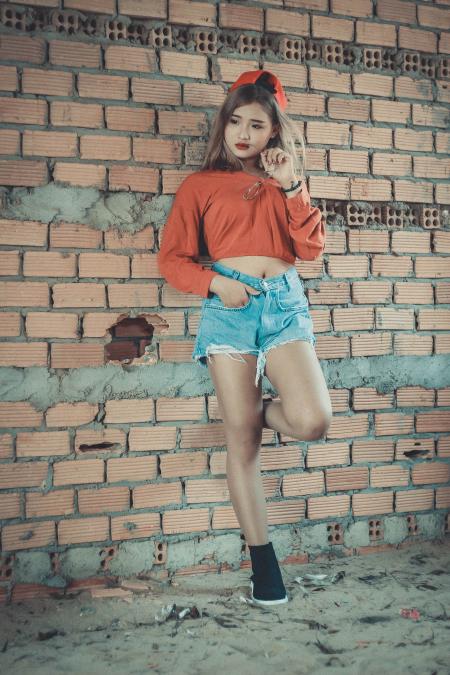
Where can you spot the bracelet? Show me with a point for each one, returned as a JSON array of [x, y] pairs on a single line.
[[293, 187]]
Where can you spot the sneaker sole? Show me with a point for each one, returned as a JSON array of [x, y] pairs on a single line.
[[266, 602]]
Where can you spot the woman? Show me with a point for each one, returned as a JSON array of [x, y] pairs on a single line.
[[256, 218]]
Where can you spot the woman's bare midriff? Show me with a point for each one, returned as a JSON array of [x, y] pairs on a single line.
[[256, 265]]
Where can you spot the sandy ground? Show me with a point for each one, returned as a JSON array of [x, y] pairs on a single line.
[[373, 614]]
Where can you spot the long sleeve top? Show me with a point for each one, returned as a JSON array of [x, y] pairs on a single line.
[[269, 224]]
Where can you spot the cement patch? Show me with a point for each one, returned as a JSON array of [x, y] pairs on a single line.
[[43, 387], [125, 211]]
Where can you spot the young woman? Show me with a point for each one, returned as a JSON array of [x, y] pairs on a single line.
[[250, 203]]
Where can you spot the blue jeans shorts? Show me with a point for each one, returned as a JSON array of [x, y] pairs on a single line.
[[279, 314]]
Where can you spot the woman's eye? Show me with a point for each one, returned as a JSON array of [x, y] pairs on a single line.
[[255, 126]]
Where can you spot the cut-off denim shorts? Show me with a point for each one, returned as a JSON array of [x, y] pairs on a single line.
[[279, 314]]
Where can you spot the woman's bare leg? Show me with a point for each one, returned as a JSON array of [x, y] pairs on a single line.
[[305, 410], [240, 404]]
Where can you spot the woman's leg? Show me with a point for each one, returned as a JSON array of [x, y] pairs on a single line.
[[305, 410], [240, 404]]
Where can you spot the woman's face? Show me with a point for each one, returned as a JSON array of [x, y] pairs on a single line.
[[251, 125]]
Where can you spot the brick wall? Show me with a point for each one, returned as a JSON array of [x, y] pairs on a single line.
[[112, 446]]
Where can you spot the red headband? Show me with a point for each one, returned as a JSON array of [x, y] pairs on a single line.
[[252, 77]]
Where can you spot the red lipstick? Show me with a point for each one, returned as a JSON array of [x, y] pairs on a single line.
[[242, 145]]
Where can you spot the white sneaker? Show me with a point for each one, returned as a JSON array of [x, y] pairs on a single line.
[[265, 603]]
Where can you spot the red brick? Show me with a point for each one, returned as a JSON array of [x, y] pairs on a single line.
[[21, 414], [132, 468], [329, 27], [49, 264], [435, 421], [24, 294], [104, 265], [406, 87], [133, 178], [8, 78], [42, 443], [23, 355], [122, 118], [10, 324], [22, 48], [154, 10], [104, 500], [164, 92], [416, 39], [430, 115], [430, 472], [190, 520], [72, 114], [83, 175], [74, 235], [51, 83], [23, 474], [9, 263], [138, 58], [71, 414], [50, 144], [323, 79], [436, 17], [28, 535], [9, 142], [183, 64], [95, 6], [74, 54], [113, 86], [74, 472], [249, 18], [379, 34], [82, 530], [26, 173], [134, 526], [333, 506], [51, 324], [77, 355], [54, 503], [79, 295], [105, 147]]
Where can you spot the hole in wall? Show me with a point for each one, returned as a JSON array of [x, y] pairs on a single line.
[[129, 338], [104, 445]]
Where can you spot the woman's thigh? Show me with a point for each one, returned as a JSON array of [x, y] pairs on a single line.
[[240, 402], [294, 370]]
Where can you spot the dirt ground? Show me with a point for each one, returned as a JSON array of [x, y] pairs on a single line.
[[373, 614]]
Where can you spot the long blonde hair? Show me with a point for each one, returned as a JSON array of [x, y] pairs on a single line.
[[217, 155]]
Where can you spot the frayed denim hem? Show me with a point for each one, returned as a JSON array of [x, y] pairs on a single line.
[[235, 354]]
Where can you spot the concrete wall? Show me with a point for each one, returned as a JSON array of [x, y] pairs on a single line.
[[112, 451]]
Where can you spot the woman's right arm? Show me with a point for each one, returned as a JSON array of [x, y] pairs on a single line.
[[180, 243]]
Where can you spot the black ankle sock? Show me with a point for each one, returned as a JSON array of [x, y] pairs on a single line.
[[265, 564]]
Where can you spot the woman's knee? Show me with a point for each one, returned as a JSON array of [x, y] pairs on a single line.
[[309, 426], [243, 440]]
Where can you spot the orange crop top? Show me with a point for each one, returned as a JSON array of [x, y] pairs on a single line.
[[270, 224]]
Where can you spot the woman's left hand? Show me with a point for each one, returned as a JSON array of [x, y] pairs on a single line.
[[279, 164]]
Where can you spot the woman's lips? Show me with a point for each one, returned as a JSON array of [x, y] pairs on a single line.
[[242, 145]]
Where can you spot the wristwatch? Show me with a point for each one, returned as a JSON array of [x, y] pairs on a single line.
[[294, 186]]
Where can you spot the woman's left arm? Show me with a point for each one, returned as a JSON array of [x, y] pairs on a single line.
[[306, 228]]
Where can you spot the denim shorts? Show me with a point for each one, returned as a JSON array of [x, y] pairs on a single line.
[[279, 314]]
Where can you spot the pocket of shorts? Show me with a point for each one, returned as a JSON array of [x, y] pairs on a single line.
[[216, 303], [291, 298]]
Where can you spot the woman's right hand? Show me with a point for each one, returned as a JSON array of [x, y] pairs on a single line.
[[232, 292]]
